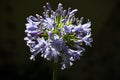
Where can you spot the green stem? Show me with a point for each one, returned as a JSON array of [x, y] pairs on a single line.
[[55, 71]]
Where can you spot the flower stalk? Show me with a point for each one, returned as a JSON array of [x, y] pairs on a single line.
[[54, 71]]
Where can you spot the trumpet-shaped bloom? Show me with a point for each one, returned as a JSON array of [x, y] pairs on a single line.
[[57, 34]]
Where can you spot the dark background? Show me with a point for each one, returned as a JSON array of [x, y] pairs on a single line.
[[100, 62]]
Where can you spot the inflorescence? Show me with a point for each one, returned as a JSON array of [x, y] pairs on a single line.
[[58, 35]]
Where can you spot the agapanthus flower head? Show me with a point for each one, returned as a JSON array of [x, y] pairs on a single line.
[[57, 34]]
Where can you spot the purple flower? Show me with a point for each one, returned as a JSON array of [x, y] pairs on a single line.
[[49, 23], [57, 34], [68, 29], [87, 40]]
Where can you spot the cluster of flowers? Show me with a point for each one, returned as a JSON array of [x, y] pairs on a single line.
[[57, 35]]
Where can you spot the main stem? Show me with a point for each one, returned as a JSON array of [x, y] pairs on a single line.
[[55, 71]]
